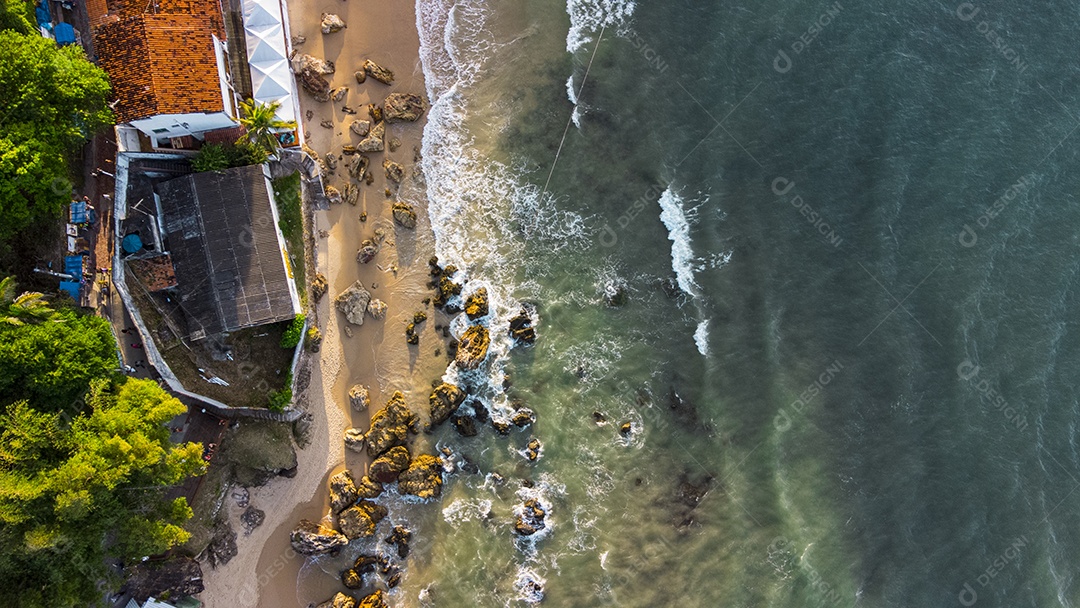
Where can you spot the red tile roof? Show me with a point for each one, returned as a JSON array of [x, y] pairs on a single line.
[[162, 63]]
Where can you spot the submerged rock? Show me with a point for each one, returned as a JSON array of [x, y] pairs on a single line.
[[342, 491], [354, 440], [403, 107], [476, 305], [473, 347], [465, 425], [395, 172], [353, 303], [374, 140], [310, 538], [360, 520], [378, 72], [423, 478], [332, 23], [390, 426], [386, 468], [445, 400]]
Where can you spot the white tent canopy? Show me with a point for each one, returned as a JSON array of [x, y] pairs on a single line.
[[271, 78]]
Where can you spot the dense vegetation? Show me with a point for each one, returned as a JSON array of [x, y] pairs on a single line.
[[53, 100], [85, 458], [216, 157]]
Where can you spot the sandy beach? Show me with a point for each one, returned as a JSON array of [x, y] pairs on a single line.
[[265, 572]]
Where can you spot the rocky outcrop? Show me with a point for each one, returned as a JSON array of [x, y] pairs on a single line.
[[354, 440], [342, 491], [352, 579], [368, 487], [476, 305], [359, 397], [473, 347], [303, 61], [405, 107], [252, 518], [521, 329], [332, 23], [390, 426], [445, 400], [360, 127], [375, 600], [339, 601], [533, 449], [367, 252], [222, 547], [310, 538], [404, 215], [360, 520], [332, 193], [313, 82], [378, 72], [465, 425], [400, 537], [375, 112], [339, 93], [523, 417], [395, 172], [377, 308], [353, 303], [386, 468], [374, 140], [423, 478], [319, 286], [530, 518]]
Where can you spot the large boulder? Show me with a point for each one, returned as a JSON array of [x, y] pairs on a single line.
[[473, 347], [423, 478], [386, 468], [445, 400], [395, 172], [404, 215], [377, 308], [403, 107], [476, 305], [354, 440], [375, 600], [310, 538], [342, 491], [359, 521], [374, 140], [332, 23], [378, 72], [303, 61], [521, 329], [360, 127], [314, 83], [353, 303], [319, 286], [339, 601], [368, 487], [390, 426], [359, 397]]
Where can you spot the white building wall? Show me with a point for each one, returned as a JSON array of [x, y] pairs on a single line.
[[164, 126]]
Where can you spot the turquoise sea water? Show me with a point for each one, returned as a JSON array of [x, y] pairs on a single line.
[[846, 236]]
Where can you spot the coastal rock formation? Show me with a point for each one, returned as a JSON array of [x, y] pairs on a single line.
[[332, 23], [374, 140], [353, 303], [530, 518], [395, 172], [368, 487], [476, 305], [360, 75], [339, 601], [423, 478], [303, 61], [403, 107], [342, 491], [350, 194], [339, 93], [332, 193], [352, 579], [222, 546], [473, 347], [375, 600], [625, 429], [532, 450], [360, 127], [386, 468], [465, 425], [313, 82], [359, 397], [405, 215], [368, 250], [615, 294], [377, 309], [400, 537], [521, 329], [319, 286], [310, 538], [523, 417], [354, 440], [252, 518], [390, 426], [445, 400], [378, 72], [375, 112], [358, 166], [359, 521]]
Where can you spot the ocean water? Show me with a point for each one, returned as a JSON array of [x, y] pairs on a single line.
[[848, 348]]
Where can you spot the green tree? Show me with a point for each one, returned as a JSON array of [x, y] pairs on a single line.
[[260, 120], [17, 310], [72, 496]]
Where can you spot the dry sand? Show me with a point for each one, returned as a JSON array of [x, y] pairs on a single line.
[[265, 572]]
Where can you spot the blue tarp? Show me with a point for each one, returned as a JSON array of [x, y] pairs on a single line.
[[43, 17], [72, 288], [78, 212], [73, 266], [64, 34]]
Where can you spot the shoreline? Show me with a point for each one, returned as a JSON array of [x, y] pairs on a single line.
[[265, 573]]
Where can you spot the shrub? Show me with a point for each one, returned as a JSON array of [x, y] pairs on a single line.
[[292, 336], [279, 400], [217, 157]]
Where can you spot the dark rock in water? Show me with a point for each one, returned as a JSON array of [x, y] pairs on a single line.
[[378, 72], [523, 417], [400, 536], [339, 601], [222, 546], [689, 493], [252, 518], [501, 426], [465, 426], [521, 328], [670, 287], [395, 579], [469, 466], [445, 400], [375, 600], [310, 538], [532, 449], [479, 410], [365, 564], [404, 215], [386, 468], [359, 521], [615, 295], [390, 426], [599, 418], [403, 107], [476, 305], [684, 410], [368, 488], [530, 519], [352, 579], [423, 478], [473, 348], [342, 491], [626, 428]]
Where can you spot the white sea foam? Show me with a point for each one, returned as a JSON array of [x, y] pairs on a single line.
[[588, 16], [701, 338], [462, 510], [675, 217]]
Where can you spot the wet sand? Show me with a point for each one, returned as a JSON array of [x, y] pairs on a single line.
[[266, 573]]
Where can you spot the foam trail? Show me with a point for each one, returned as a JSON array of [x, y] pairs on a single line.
[[701, 338], [591, 15], [673, 215]]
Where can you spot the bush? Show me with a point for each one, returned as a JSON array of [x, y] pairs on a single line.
[[217, 157], [279, 400], [292, 336], [212, 157]]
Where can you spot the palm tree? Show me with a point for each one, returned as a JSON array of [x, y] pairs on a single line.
[[17, 309], [260, 120]]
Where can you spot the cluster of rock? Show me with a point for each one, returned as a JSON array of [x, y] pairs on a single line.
[[341, 600], [356, 302], [530, 518]]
